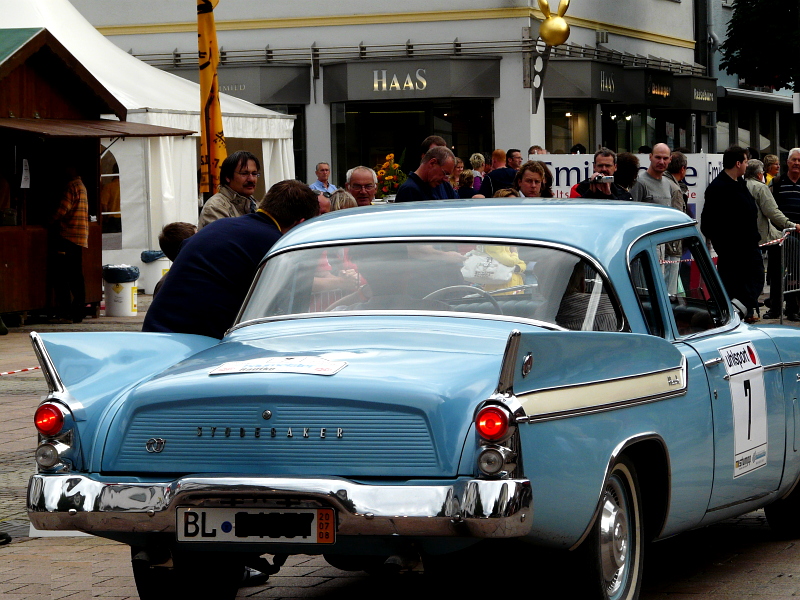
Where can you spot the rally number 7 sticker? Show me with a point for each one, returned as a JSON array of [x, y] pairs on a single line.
[[749, 405]]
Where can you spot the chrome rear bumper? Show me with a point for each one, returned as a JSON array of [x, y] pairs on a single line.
[[465, 507]]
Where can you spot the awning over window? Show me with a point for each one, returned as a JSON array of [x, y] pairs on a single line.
[[100, 128]]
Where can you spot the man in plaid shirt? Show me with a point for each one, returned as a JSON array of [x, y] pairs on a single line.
[[72, 222]]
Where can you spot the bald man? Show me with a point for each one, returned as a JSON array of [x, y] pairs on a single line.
[[652, 186]]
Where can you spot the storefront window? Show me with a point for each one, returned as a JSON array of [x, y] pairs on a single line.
[[786, 132], [723, 129], [766, 131], [744, 125], [568, 124], [363, 133]]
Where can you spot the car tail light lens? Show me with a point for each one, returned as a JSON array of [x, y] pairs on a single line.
[[49, 419], [492, 423]]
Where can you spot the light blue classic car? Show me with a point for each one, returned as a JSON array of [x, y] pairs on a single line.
[[406, 381]]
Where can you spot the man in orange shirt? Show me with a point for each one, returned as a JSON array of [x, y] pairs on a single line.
[[72, 223]]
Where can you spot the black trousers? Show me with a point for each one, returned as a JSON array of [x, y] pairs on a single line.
[[742, 274], [68, 280]]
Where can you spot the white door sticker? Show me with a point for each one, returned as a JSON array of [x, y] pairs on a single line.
[[748, 401]]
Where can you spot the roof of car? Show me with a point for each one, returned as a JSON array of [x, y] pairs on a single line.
[[597, 227]]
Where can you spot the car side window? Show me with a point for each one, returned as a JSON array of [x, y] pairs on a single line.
[[689, 282], [643, 285]]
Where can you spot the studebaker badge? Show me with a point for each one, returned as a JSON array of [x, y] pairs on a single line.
[[258, 432]]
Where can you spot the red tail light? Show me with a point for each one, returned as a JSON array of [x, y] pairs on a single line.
[[48, 419], [492, 423]]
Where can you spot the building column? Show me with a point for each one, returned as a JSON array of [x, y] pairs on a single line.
[[318, 131], [514, 124]]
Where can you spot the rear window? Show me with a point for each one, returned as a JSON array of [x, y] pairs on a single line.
[[532, 282]]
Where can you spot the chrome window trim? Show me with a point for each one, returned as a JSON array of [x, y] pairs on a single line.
[[652, 233], [402, 313], [624, 326], [732, 319]]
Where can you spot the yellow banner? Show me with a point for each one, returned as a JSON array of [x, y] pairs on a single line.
[[212, 139]]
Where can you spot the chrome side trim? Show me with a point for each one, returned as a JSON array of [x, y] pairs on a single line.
[[712, 362], [600, 409], [528, 399], [745, 501], [772, 367], [51, 376], [615, 454], [465, 507]]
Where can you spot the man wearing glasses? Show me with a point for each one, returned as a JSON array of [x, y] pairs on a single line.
[[436, 166], [362, 182], [239, 175]]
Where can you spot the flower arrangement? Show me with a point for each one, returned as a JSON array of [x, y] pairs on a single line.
[[390, 177]]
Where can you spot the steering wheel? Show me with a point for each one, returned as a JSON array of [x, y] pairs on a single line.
[[443, 292]]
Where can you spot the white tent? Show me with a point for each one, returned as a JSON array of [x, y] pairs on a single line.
[[158, 176]]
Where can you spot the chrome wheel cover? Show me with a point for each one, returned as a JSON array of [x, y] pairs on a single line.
[[614, 536]]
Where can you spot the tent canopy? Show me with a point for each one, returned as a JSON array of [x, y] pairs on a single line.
[[134, 83]]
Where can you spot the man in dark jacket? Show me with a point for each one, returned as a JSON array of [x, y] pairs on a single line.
[[209, 279], [605, 165], [433, 170], [730, 222], [502, 178]]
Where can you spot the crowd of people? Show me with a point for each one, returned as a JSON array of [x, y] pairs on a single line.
[[219, 258]]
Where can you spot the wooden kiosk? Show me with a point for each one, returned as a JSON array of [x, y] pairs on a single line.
[[50, 108]]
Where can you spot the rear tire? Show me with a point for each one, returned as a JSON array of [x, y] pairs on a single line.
[[195, 575], [614, 550]]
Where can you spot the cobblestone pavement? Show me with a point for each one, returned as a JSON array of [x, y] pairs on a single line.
[[739, 558]]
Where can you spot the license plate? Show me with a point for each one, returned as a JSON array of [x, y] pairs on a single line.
[[287, 526]]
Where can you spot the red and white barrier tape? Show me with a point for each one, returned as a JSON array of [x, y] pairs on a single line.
[[20, 371], [778, 240]]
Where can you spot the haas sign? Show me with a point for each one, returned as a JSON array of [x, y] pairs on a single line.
[[381, 81]]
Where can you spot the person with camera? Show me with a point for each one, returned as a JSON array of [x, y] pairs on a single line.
[[600, 185]]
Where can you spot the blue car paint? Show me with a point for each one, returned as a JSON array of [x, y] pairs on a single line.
[[96, 367], [435, 387], [441, 368]]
